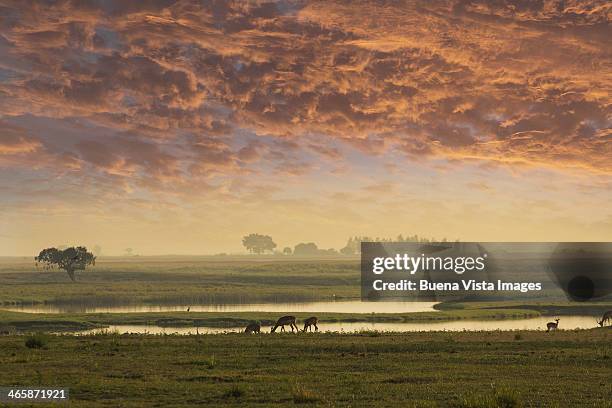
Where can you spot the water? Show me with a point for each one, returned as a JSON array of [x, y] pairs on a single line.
[[538, 323], [351, 306]]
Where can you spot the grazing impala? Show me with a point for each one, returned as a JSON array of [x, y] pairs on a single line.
[[311, 321], [283, 321], [552, 326], [607, 317], [253, 328]]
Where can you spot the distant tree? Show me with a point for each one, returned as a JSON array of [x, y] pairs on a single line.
[[353, 245], [287, 251], [349, 248], [129, 251], [70, 259], [308, 249], [258, 244], [347, 251]]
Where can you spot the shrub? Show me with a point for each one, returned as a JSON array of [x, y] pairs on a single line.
[[234, 392], [36, 341], [501, 398]]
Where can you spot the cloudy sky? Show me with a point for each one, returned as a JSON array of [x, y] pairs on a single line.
[[179, 126]]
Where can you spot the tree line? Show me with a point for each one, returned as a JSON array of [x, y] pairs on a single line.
[[262, 244]]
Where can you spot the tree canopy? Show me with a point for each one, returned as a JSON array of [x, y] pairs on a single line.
[[306, 249], [258, 244], [69, 259]]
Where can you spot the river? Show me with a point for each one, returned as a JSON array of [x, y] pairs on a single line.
[[537, 323]]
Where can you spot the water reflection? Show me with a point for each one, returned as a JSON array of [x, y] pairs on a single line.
[[538, 323], [352, 306]]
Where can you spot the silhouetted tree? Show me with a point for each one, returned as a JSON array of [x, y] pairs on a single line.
[[308, 249], [349, 248], [353, 245], [287, 251], [258, 244], [70, 259]]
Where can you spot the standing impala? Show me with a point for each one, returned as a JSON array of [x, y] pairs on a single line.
[[607, 317], [552, 326], [283, 321], [311, 321]]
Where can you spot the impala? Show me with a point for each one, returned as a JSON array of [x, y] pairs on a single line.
[[311, 321], [283, 321], [607, 317], [552, 326], [253, 328]]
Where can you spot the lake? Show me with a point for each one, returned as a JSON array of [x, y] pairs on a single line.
[[350, 306], [538, 323]]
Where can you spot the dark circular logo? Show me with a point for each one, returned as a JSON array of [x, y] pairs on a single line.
[[581, 288]]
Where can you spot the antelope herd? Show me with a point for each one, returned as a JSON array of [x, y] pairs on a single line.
[[291, 321]]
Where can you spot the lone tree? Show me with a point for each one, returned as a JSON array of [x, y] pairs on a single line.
[[70, 259], [258, 244]]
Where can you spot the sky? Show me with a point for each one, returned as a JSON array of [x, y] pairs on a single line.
[[177, 127]]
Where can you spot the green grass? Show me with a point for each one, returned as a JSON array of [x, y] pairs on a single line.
[[187, 280], [549, 308], [475, 369], [181, 280]]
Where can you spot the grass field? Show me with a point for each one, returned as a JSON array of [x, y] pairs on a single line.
[[187, 280], [182, 280], [481, 369]]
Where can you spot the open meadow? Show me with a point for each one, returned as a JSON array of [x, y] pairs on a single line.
[[478, 369], [182, 280]]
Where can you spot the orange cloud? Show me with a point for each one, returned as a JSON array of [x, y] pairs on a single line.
[[14, 141], [507, 82]]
